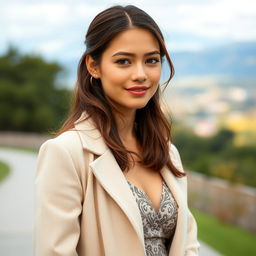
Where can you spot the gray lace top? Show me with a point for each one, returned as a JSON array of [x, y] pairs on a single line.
[[158, 225]]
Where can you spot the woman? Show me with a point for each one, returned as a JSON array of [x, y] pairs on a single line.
[[112, 183]]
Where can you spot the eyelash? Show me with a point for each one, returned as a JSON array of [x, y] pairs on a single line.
[[156, 60], [121, 61]]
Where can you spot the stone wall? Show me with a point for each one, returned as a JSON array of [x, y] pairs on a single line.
[[20, 139], [231, 203]]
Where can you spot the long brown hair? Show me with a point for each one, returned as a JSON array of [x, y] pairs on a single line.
[[152, 127]]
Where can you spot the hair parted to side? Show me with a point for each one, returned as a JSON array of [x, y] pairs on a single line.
[[153, 131]]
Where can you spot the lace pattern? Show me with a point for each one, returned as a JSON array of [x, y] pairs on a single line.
[[158, 225]]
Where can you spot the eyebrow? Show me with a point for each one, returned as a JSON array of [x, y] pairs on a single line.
[[132, 54]]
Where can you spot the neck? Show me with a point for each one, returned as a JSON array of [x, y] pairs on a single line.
[[125, 126]]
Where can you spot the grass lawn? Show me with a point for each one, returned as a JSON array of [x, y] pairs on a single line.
[[4, 170], [227, 239]]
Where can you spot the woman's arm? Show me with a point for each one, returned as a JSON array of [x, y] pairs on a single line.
[[58, 202]]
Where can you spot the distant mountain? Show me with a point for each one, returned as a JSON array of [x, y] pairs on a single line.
[[236, 60]]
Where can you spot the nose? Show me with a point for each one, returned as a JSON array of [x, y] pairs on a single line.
[[139, 73]]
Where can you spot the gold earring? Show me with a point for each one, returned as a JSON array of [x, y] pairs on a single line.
[[91, 80]]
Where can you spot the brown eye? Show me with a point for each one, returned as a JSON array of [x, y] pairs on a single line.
[[123, 62], [153, 60]]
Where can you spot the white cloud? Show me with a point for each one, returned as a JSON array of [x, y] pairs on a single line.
[[217, 19], [50, 46], [190, 24]]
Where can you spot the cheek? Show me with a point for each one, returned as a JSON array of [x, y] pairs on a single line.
[[155, 75], [113, 75]]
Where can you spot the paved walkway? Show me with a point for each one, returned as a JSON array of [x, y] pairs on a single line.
[[17, 206]]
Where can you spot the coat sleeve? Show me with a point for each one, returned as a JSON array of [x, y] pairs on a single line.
[[192, 244], [58, 202], [192, 247]]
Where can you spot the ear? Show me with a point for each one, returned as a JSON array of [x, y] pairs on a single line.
[[92, 66]]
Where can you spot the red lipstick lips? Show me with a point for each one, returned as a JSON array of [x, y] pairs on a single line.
[[137, 90]]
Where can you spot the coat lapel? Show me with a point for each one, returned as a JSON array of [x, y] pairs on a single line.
[[108, 173], [110, 176], [177, 245]]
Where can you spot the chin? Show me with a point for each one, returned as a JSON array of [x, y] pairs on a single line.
[[140, 106]]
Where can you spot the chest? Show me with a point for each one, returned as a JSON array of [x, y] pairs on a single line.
[[148, 181]]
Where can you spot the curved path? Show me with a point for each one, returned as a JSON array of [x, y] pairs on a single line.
[[17, 206], [17, 203]]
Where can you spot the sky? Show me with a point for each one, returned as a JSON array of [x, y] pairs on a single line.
[[56, 28]]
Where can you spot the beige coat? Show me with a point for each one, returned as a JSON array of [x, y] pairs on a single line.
[[84, 205]]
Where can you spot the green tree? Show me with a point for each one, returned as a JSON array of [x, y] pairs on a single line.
[[30, 99], [217, 155]]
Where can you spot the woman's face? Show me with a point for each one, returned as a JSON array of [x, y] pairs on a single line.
[[130, 69]]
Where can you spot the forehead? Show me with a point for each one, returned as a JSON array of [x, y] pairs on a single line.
[[135, 40]]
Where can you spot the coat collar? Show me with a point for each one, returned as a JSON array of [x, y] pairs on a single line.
[[110, 176], [90, 136]]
